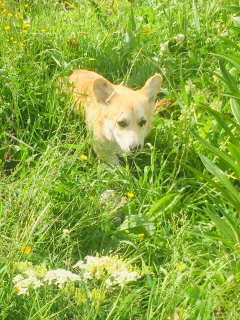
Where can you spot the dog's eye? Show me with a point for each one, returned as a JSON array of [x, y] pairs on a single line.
[[142, 123], [122, 124]]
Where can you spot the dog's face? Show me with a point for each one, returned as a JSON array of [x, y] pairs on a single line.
[[127, 114]]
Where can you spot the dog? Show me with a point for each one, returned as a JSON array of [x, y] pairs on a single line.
[[118, 117]]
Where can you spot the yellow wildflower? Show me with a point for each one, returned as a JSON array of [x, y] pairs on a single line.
[[26, 250], [130, 195], [25, 31], [7, 28], [26, 25], [21, 44], [4, 10], [43, 30], [141, 235], [2, 4], [181, 267], [91, 197], [127, 231], [11, 38], [14, 42], [26, 5], [17, 288], [10, 14], [83, 157]]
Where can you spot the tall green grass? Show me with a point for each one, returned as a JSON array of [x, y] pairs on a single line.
[[181, 226]]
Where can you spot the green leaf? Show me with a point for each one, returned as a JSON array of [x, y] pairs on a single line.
[[219, 117], [234, 60], [217, 186], [137, 225], [221, 225], [219, 153], [228, 78], [163, 204], [235, 152], [236, 21], [229, 42], [221, 176], [234, 9], [235, 106], [196, 16], [212, 236]]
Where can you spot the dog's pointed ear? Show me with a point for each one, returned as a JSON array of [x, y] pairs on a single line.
[[103, 90], [152, 86]]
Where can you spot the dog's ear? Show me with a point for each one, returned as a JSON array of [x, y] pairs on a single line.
[[103, 90], [152, 86]]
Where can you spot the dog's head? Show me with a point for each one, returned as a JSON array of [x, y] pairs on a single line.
[[127, 114]]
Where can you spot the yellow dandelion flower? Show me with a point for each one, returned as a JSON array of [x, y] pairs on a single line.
[[11, 38], [130, 195], [17, 288], [21, 44], [43, 30], [7, 28], [113, 194], [91, 197], [83, 157], [127, 231], [2, 4], [26, 25], [10, 14], [25, 31], [4, 10], [181, 267], [141, 235], [26, 5], [14, 42], [26, 250]]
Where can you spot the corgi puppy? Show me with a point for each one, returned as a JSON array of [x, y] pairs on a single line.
[[119, 118]]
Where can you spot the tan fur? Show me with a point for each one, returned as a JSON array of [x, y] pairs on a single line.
[[108, 107]]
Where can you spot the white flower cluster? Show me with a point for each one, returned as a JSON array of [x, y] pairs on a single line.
[[112, 270], [190, 86], [22, 285], [115, 270], [60, 277]]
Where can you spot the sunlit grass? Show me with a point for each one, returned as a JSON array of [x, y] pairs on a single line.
[[60, 203]]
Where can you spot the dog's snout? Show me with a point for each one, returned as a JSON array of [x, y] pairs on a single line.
[[133, 147]]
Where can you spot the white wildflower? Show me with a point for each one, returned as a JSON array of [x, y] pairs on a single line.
[[17, 278], [60, 277], [115, 270], [180, 38], [65, 233], [22, 291], [216, 105], [80, 264], [190, 86], [164, 46], [22, 285], [106, 195], [208, 40]]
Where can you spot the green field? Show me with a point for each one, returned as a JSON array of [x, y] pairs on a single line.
[[165, 243]]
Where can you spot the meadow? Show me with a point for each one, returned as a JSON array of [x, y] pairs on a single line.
[[80, 239]]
